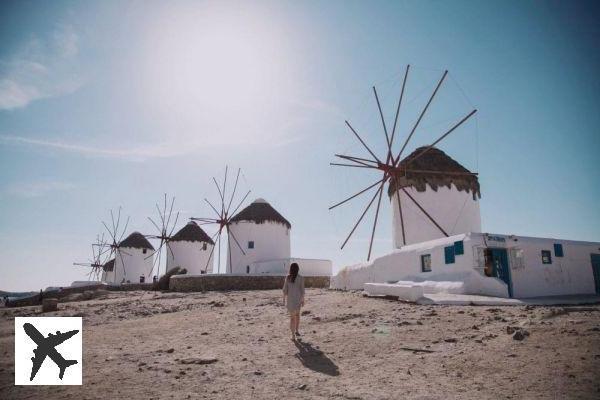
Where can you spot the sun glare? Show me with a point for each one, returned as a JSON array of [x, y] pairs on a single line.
[[213, 68]]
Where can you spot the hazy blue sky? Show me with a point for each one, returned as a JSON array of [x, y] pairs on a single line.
[[114, 103]]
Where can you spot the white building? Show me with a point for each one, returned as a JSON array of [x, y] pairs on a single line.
[[443, 190], [133, 261], [466, 261], [191, 248], [485, 264], [264, 235], [261, 232]]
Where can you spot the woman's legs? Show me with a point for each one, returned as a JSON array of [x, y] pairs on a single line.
[[297, 325]]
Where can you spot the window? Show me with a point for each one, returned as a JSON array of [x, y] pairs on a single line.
[[558, 250], [546, 257], [459, 248], [144, 251], [426, 263], [449, 254], [251, 244], [204, 246], [247, 269]]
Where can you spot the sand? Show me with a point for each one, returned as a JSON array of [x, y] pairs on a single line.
[[236, 346]]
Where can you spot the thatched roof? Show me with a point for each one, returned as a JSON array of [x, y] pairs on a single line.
[[260, 212], [191, 233], [441, 170], [136, 241], [109, 265]]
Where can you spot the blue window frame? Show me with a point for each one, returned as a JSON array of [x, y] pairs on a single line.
[[449, 254], [459, 248], [426, 263], [558, 250], [546, 257], [251, 244]]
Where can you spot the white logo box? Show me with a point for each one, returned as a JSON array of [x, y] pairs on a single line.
[[70, 350]]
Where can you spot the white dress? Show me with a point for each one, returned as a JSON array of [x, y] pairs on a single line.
[[294, 292]]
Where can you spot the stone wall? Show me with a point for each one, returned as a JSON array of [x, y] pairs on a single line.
[[201, 283]]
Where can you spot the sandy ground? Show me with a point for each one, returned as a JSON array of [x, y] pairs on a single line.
[[146, 345]]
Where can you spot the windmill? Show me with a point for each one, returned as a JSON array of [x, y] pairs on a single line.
[[223, 218], [165, 232], [99, 249], [390, 166], [116, 236]]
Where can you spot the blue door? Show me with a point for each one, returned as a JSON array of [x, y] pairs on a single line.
[[501, 269], [596, 270]]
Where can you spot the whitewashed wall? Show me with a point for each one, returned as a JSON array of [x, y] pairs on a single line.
[[271, 242], [136, 264], [308, 267], [455, 211], [405, 265], [571, 274], [191, 256]]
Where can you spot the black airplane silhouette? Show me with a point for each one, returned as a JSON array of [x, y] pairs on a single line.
[[46, 347]]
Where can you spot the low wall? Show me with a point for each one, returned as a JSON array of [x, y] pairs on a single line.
[[69, 290], [201, 283]]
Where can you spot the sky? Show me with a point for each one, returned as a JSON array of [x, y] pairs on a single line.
[[111, 104]]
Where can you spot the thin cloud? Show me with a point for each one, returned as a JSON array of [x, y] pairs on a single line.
[[40, 69], [37, 189], [133, 154]]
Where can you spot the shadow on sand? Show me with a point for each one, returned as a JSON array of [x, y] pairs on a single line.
[[315, 359]]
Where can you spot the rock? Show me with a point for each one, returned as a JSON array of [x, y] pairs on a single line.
[[520, 334], [199, 360], [305, 312], [163, 282], [49, 305], [316, 319], [510, 330], [171, 350], [302, 387], [450, 340], [257, 373]]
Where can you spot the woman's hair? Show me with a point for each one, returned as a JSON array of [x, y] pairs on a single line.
[[294, 268]]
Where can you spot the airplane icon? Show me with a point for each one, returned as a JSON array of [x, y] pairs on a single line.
[[46, 347]]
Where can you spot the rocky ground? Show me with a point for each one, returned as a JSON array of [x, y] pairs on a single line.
[[236, 346]]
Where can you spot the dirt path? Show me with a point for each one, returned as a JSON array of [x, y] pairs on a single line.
[[163, 346]]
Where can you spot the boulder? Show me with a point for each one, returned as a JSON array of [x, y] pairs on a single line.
[[49, 304], [163, 282]]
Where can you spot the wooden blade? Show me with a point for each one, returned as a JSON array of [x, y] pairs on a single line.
[[234, 189], [211, 250], [218, 188], [124, 230], [401, 217], [170, 214], [239, 205], [350, 165], [154, 223], [356, 159], [425, 212], [375, 223], [398, 108], [363, 214], [214, 209], [229, 232], [174, 224], [357, 194], [224, 189], [387, 138], [363, 143], [421, 115], [459, 123]]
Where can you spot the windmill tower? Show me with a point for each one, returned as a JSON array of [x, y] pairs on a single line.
[[165, 231], [132, 255], [263, 233], [99, 250], [422, 210], [222, 221], [191, 248]]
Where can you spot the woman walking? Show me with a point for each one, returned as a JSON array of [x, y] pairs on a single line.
[[293, 297]]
